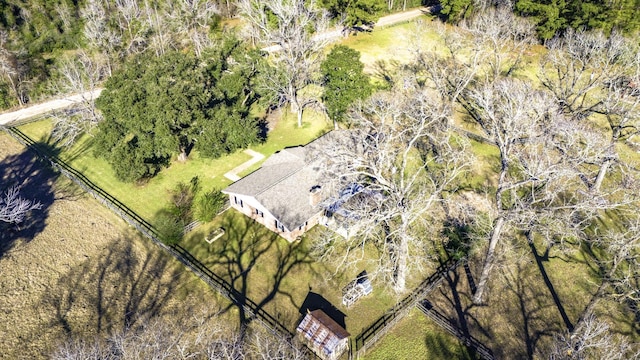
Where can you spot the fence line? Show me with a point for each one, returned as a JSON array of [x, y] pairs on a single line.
[[369, 336], [216, 282], [427, 308]]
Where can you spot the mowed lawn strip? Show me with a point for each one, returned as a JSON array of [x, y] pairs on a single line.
[[149, 197]]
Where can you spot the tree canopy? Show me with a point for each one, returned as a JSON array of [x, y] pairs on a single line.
[[355, 13], [157, 107], [555, 16], [344, 81]]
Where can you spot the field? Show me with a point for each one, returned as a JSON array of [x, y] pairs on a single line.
[[78, 270]]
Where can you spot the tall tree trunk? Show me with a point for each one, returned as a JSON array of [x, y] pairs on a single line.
[[601, 174], [488, 263], [299, 115], [604, 168], [182, 157], [400, 272]]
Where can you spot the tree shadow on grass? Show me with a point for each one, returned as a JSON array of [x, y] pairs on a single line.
[[440, 347], [534, 309], [256, 262], [36, 180], [119, 287]]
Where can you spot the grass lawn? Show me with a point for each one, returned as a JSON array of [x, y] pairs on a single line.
[[149, 197], [392, 43], [418, 337], [280, 275]]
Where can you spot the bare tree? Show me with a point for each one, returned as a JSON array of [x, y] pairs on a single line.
[[132, 23], [592, 340], [593, 74], [503, 36], [192, 18], [97, 31], [618, 266], [539, 182], [195, 336], [391, 171], [14, 208], [285, 28], [79, 75], [14, 70]]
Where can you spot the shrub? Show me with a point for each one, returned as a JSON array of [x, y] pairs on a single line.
[[170, 228], [209, 205]]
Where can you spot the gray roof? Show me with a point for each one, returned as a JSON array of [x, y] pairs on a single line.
[[283, 183]]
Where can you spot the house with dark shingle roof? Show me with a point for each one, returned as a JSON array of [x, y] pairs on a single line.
[[285, 193]]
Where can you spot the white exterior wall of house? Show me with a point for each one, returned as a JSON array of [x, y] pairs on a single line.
[[248, 206]]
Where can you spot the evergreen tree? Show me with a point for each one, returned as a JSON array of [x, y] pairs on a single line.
[[157, 107], [344, 81], [355, 13]]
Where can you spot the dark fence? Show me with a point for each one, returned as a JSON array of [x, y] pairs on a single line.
[[216, 282], [480, 349], [369, 336]]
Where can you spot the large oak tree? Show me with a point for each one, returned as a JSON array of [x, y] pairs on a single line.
[[158, 107]]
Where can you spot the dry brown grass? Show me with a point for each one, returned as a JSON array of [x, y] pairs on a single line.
[[77, 269]]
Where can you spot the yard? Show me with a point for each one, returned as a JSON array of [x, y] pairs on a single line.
[[281, 277], [148, 198], [284, 278]]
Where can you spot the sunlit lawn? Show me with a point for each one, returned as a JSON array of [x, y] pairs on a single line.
[[272, 271], [418, 337], [149, 197]]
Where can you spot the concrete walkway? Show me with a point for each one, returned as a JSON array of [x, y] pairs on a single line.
[[233, 174]]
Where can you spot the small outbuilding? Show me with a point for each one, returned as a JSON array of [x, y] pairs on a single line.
[[356, 289], [323, 335]]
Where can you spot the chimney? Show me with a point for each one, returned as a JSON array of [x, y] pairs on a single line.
[[314, 195]]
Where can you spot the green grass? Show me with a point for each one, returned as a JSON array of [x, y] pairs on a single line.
[[272, 271], [149, 197], [418, 337], [391, 43]]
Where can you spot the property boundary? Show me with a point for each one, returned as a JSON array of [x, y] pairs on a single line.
[[216, 282], [427, 308], [369, 336]]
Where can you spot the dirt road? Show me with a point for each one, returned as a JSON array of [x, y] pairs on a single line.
[[57, 104], [45, 107]]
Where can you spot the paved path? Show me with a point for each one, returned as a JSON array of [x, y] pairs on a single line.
[[45, 107], [337, 33], [401, 17], [233, 174], [57, 104]]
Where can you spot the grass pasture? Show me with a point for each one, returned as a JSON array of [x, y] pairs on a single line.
[[418, 337], [75, 269]]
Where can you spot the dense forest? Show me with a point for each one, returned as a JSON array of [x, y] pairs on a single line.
[[555, 16]]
